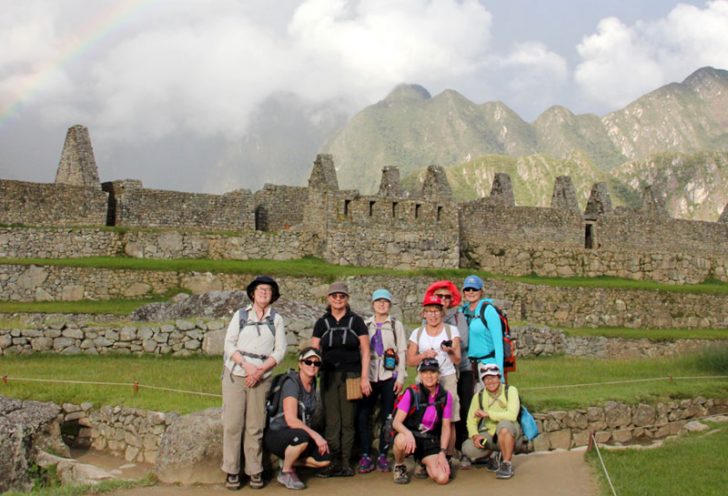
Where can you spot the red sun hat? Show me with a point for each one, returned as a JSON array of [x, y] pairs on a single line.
[[456, 298], [432, 300]]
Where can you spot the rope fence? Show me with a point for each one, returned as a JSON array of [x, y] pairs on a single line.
[[136, 385], [593, 442]]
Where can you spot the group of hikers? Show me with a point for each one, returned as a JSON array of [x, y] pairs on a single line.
[[459, 406]]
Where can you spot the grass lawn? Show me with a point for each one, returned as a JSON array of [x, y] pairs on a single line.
[[690, 464], [651, 334], [545, 383]]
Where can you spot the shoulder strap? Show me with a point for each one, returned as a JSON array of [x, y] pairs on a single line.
[[394, 330], [269, 320], [242, 319], [483, 306]]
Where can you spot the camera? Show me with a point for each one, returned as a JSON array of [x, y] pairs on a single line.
[[446, 344]]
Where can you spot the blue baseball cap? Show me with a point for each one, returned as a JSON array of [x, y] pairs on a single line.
[[382, 294], [474, 282]]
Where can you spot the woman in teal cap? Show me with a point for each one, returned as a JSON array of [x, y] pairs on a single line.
[[485, 343], [388, 346]]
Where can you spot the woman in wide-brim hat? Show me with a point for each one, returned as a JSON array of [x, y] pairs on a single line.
[[255, 342]]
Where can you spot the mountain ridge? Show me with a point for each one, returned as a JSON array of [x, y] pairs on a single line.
[[411, 129]]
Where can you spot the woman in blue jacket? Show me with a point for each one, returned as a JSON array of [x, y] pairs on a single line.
[[485, 343]]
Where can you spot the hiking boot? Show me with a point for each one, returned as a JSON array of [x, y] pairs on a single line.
[[465, 463], [492, 464], [400, 474], [232, 482], [366, 464], [256, 481], [420, 471], [290, 480], [505, 471], [328, 471], [382, 463], [346, 471]]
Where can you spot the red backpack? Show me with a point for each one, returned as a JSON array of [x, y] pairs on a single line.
[[509, 345]]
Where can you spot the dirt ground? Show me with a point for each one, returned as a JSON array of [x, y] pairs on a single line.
[[563, 473]]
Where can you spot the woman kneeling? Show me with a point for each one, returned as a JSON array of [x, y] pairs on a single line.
[[422, 422], [289, 435]]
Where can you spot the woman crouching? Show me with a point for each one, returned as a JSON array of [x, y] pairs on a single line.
[[422, 422], [289, 434]]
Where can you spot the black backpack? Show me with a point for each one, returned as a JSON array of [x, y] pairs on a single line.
[[273, 400]]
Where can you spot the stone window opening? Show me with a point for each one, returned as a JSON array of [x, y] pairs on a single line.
[[589, 236], [346, 207], [417, 210], [371, 208], [439, 213], [394, 210], [261, 218]]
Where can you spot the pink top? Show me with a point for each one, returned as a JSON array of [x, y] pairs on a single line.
[[429, 419]]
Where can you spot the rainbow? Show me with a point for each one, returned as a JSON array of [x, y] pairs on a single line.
[[72, 47]]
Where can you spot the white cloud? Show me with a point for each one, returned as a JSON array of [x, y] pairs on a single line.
[[372, 45], [621, 62], [200, 67], [535, 74]]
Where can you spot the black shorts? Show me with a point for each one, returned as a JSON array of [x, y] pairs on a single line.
[[426, 446], [276, 442]]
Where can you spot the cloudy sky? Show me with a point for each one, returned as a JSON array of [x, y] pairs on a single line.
[[168, 88]]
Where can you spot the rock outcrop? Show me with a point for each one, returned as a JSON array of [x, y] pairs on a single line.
[[191, 449], [26, 428]]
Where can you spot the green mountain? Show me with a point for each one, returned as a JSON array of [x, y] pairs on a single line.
[[695, 186], [411, 129]]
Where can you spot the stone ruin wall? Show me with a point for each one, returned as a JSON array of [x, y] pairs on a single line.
[[279, 208], [51, 204], [385, 232], [524, 258], [389, 229], [554, 306], [141, 207], [645, 233]]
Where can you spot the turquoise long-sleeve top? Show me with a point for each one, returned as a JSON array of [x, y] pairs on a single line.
[[485, 342]]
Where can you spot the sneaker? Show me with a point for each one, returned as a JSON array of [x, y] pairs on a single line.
[[492, 464], [256, 481], [400, 474], [420, 471], [383, 463], [366, 464], [328, 471], [505, 471], [465, 463], [290, 480], [232, 482], [346, 471]]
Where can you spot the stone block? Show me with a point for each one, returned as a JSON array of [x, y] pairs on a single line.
[[560, 439]]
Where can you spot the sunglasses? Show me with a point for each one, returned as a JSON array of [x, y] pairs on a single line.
[[339, 296], [468, 290], [443, 296], [315, 363]]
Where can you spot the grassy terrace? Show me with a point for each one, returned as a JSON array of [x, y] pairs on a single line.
[[314, 267], [542, 381], [691, 464]]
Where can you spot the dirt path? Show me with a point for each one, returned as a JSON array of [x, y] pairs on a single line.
[[563, 473]]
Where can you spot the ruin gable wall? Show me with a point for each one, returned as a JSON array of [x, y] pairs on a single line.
[[161, 208], [279, 208]]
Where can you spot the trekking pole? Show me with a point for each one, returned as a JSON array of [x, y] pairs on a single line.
[[590, 442]]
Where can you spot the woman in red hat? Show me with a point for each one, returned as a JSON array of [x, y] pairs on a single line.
[[450, 296], [441, 341]]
